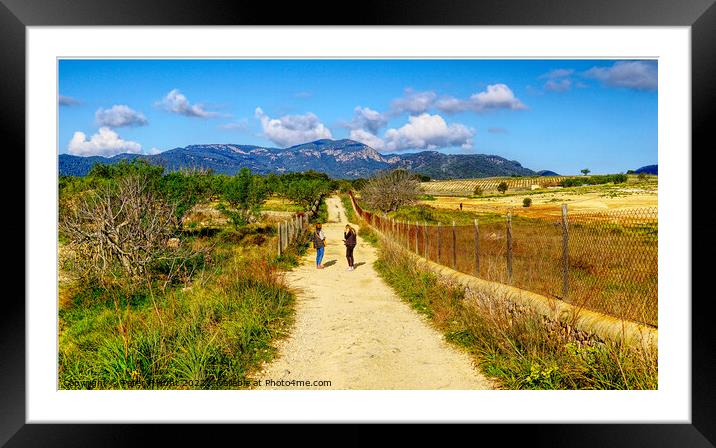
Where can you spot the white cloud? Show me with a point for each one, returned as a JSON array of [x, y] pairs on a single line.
[[427, 131], [413, 103], [367, 138], [368, 119], [637, 75], [120, 115], [176, 102], [495, 96], [292, 130], [154, 150], [451, 105], [67, 101], [558, 85], [105, 142]]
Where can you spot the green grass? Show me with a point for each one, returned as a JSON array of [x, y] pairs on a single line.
[[281, 206], [368, 235], [211, 333], [518, 350], [348, 206], [431, 215]]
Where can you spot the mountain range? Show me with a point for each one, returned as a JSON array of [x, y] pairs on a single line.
[[649, 169], [340, 159]]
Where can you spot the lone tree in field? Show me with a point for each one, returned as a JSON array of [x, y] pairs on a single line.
[[585, 171], [120, 230], [502, 188], [389, 190]]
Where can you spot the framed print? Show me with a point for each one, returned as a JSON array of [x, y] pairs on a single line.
[[434, 214]]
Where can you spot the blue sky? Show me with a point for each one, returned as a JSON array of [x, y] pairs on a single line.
[[562, 115]]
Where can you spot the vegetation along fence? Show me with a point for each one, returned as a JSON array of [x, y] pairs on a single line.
[[294, 228], [605, 261]]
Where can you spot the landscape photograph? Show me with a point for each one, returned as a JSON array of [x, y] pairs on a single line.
[[357, 224]]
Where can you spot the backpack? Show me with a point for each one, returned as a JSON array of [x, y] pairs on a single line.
[[317, 241]]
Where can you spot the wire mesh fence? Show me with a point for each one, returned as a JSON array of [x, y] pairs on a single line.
[[605, 261]]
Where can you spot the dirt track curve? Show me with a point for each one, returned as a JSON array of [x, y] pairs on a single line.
[[352, 330]]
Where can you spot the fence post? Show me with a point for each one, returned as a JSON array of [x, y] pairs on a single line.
[[406, 234], [454, 247], [417, 227], [425, 240], [285, 234], [565, 253], [439, 241], [279, 238], [477, 248], [509, 247]]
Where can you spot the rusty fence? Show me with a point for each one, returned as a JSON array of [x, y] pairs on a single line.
[[605, 261]]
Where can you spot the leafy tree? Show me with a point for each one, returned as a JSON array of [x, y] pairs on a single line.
[[388, 191], [526, 202], [124, 168], [502, 187], [344, 186], [359, 183], [305, 192], [183, 191], [244, 193], [585, 171]]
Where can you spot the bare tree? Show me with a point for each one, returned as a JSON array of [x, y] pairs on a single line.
[[120, 230], [389, 190]]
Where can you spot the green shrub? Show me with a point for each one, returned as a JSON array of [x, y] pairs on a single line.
[[526, 202]]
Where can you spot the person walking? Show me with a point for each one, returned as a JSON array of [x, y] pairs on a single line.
[[319, 242], [349, 239]]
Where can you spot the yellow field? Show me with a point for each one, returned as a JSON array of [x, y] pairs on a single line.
[[547, 202], [488, 184]]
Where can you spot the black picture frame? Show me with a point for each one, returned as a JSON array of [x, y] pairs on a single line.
[[700, 15]]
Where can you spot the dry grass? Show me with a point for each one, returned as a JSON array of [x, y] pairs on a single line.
[[512, 344]]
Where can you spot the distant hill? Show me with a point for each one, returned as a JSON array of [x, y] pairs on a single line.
[[341, 159], [546, 173], [649, 169]]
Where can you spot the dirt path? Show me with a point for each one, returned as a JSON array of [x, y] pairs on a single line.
[[352, 330]]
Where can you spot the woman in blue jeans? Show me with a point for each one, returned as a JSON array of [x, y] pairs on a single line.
[[319, 242]]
